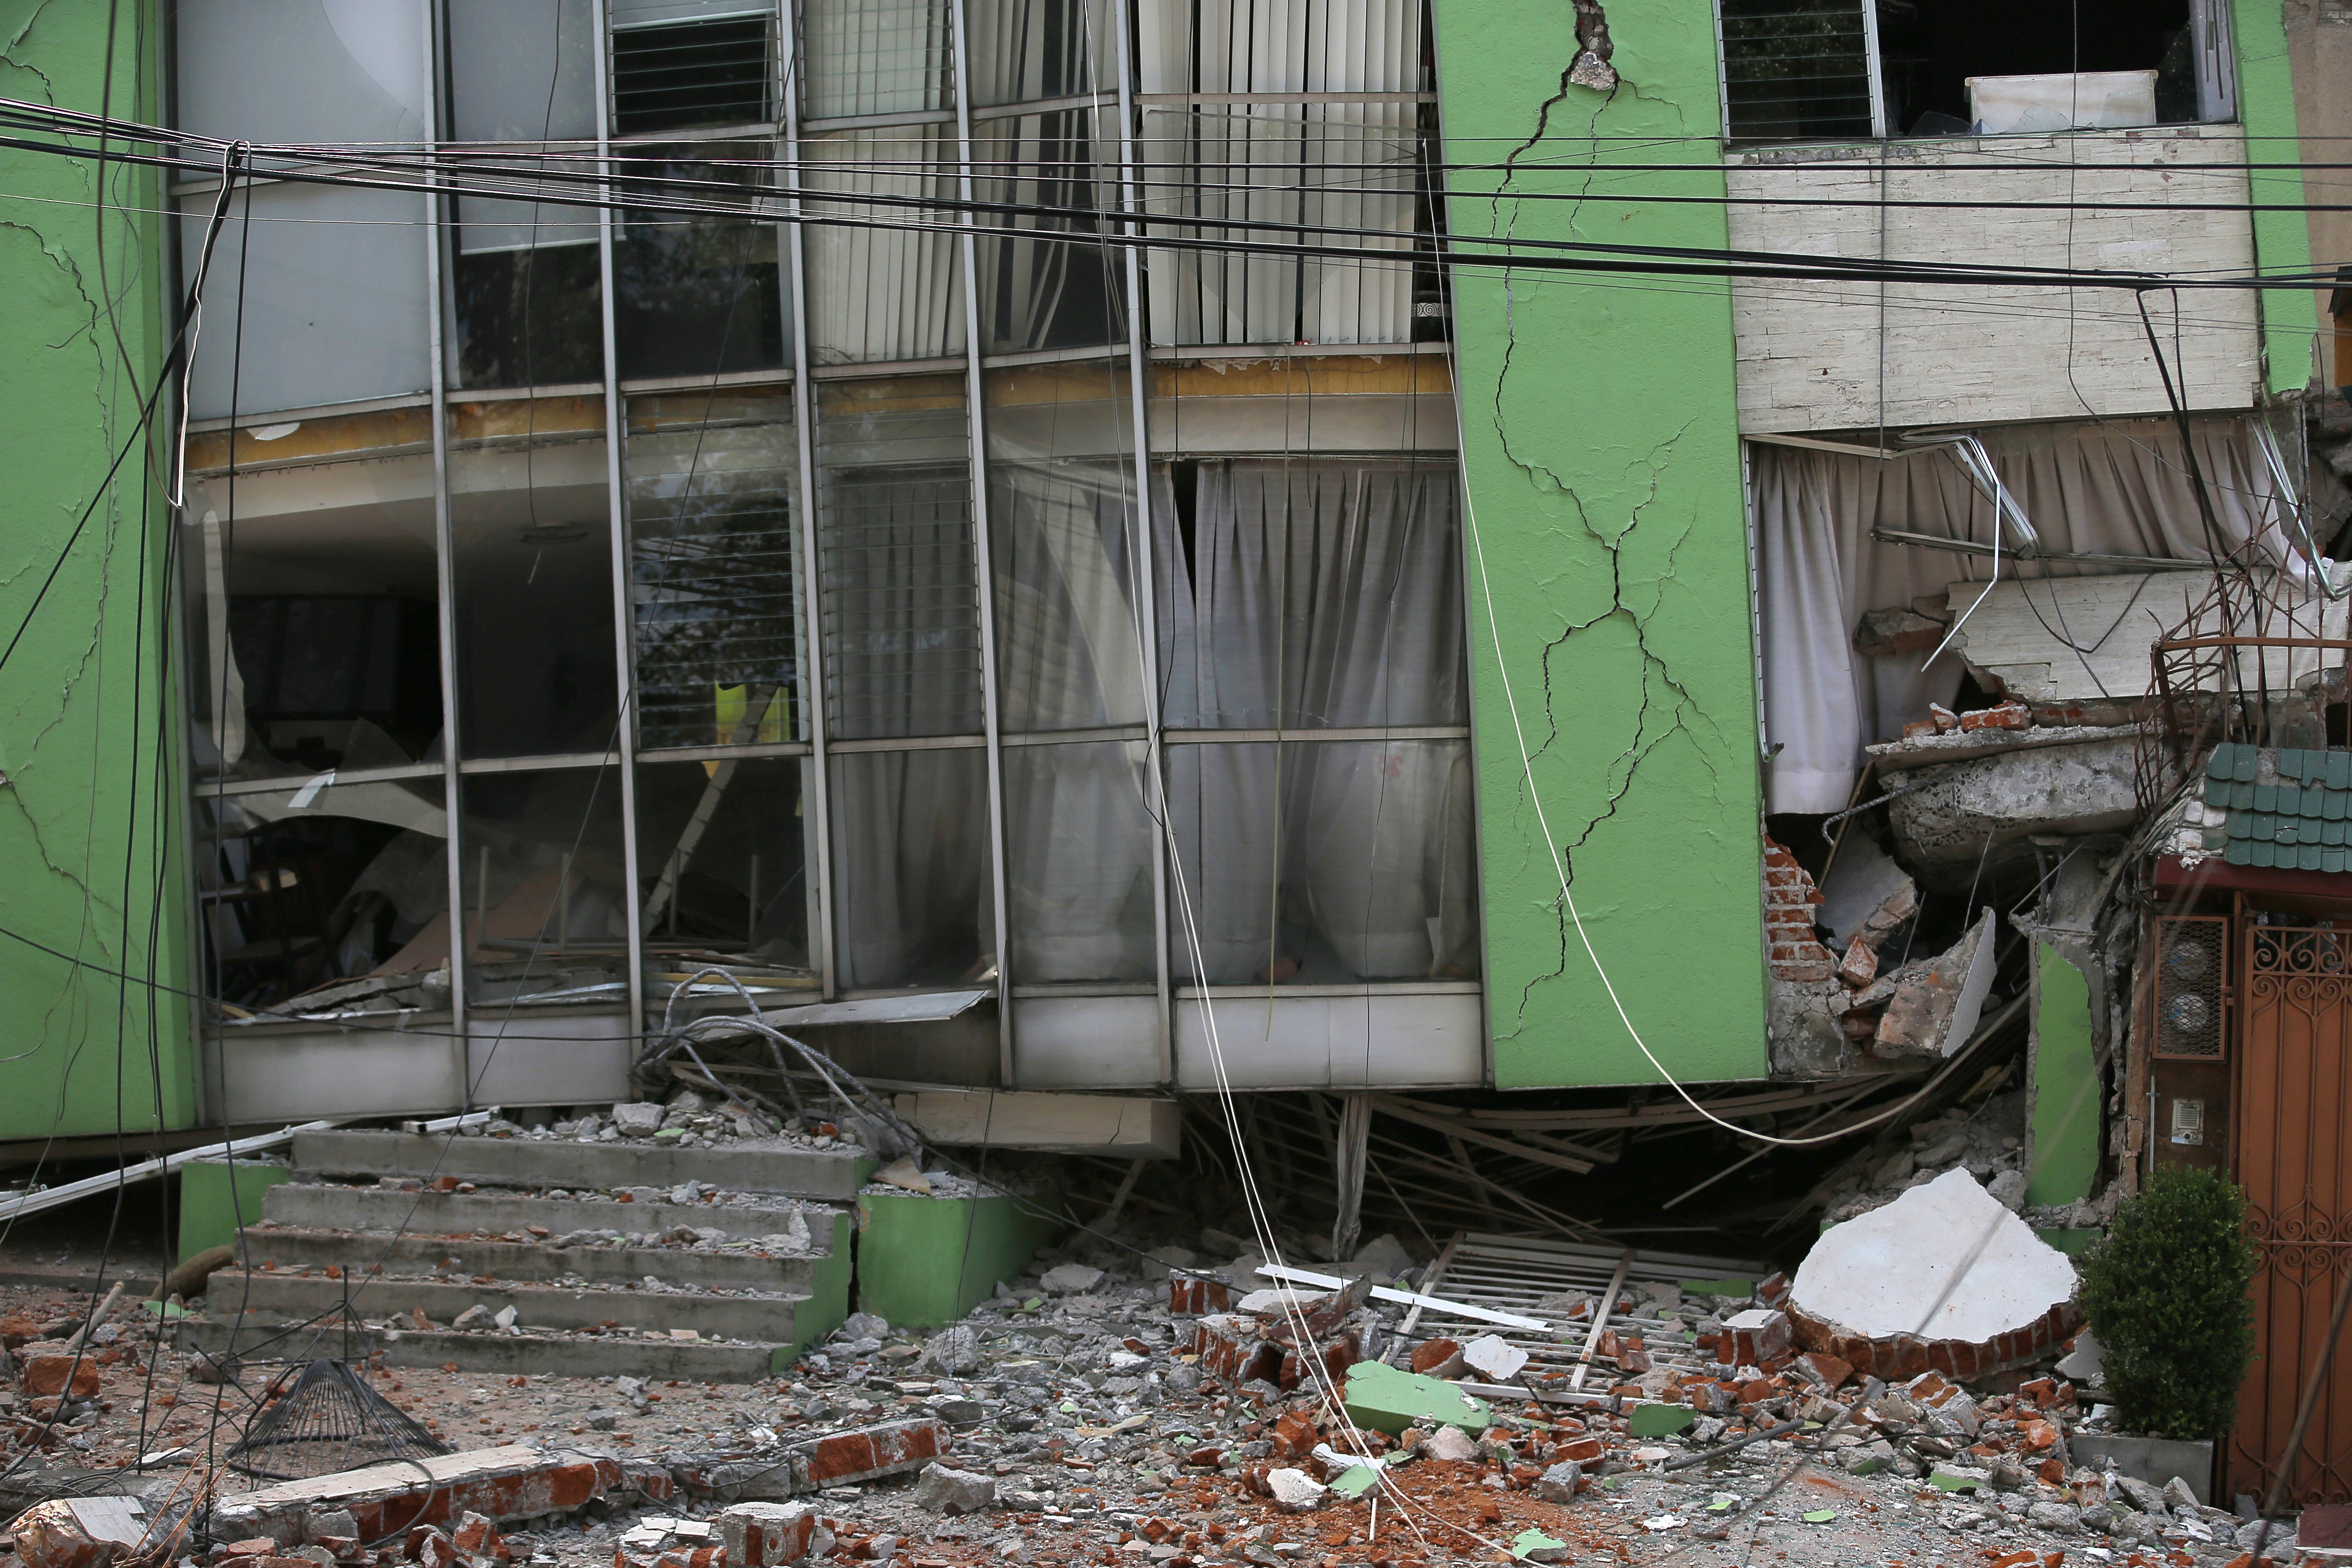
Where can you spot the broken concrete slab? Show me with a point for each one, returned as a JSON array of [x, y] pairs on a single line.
[[940, 1490], [85, 1532], [1494, 1358], [517, 1481], [1944, 1278], [1863, 878], [1956, 815], [1386, 1400], [767, 1535]]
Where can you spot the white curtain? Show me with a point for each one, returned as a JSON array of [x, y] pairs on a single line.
[[1040, 293], [912, 889], [1315, 596], [2118, 487], [888, 293], [1070, 657], [1025, 50]]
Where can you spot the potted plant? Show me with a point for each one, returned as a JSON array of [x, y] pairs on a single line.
[[2164, 1294]]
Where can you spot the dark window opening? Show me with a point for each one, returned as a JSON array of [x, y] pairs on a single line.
[[328, 678], [691, 73], [695, 295], [1796, 69]]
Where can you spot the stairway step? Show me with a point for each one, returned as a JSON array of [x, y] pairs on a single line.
[[758, 1165], [767, 1317], [533, 1262], [334, 1205], [261, 1336]]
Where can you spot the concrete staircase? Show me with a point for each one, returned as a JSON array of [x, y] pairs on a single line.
[[632, 1257]]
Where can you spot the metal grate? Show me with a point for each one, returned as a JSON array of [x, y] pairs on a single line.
[[1517, 1274], [710, 72], [2191, 973], [1795, 68], [330, 1420]]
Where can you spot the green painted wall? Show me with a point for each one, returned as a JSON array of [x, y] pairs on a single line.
[[87, 838], [1601, 459], [2063, 1138], [2281, 239], [922, 1262], [213, 1202]]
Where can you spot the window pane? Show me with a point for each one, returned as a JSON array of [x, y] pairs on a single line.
[[326, 898], [715, 581], [545, 914], [1023, 50], [889, 293], [674, 70], [1347, 174], [1078, 862], [528, 504], [1045, 293], [1061, 518], [1230, 46], [1325, 862], [311, 597], [875, 57], [1796, 67], [912, 888], [1312, 592], [333, 296], [721, 867], [524, 277], [694, 295], [900, 581]]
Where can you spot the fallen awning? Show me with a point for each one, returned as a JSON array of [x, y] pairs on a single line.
[[929, 1007]]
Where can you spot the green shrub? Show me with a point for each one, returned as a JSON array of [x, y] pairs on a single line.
[[2165, 1292]]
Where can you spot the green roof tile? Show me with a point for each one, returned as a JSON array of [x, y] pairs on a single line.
[[2339, 770], [2307, 858], [2217, 792], [2260, 854], [2291, 763], [2334, 859], [2240, 853], [2290, 831], [2224, 758], [2290, 798], [2331, 833], [2241, 823], [2267, 798], [2334, 804], [2262, 826], [2241, 796], [2242, 765]]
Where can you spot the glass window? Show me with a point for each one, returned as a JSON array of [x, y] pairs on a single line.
[[901, 581], [721, 861], [323, 898], [695, 295], [875, 57], [525, 277], [1079, 844], [1324, 861], [1039, 292], [312, 595], [1796, 67], [1235, 46], [912, 891], [545, 912], [1061, 519], [714, 577], [1311, 593], [333, 295], [1025, 50], [886, 293], [533, 570]]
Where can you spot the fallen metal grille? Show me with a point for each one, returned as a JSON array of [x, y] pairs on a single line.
[[1516, 1275]]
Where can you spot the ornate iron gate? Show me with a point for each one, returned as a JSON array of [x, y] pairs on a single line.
[[2294, 1156]]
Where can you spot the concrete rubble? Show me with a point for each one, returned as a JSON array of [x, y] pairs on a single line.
[[1093, 1426]]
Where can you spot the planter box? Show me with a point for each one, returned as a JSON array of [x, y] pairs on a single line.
[[2155, 1460]]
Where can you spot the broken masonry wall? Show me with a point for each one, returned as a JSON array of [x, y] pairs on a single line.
[[1601, 459], [2281, 232], [89, 843]]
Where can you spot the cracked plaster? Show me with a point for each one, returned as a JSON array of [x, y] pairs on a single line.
[[1602, 458]]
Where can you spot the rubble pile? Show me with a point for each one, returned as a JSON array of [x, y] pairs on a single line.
[[690, 1119], [1988, 1142]]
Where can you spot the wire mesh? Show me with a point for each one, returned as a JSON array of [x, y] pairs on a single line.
[[329, 1420]]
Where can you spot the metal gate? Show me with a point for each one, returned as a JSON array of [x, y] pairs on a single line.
[[2293, 1140]]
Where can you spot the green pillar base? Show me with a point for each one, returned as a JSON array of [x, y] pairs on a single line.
[[909, 1248], [828, 1299], [209, 1208]]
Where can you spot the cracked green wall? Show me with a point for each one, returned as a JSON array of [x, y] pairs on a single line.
[[86, 839], [1601, 456]]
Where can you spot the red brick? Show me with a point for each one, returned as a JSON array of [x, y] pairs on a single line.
[[884, 1450], [1431, 1354], [1189, 1297], [47, 1375], [2007, 716]]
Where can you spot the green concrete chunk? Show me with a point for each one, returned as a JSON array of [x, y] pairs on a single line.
[[1821, 1516], [1865, 1467], [1356, 1480], [1715, 1287], [2064, 1147], [1661, 1420], [1535, 1546], [1386, 1400], [210, 1207]]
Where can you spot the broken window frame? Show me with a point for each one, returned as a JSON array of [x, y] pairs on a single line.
[[815, 747]]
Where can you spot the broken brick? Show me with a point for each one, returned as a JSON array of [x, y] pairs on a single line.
[[1758, 1335], [1431, 1358], [1859, 967], [48, 1374], [2007, 716]]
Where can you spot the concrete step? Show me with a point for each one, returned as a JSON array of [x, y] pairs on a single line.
[[316, 1204], [412, 1253], [263, 1336], [767, 1318], [755, 1165]]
